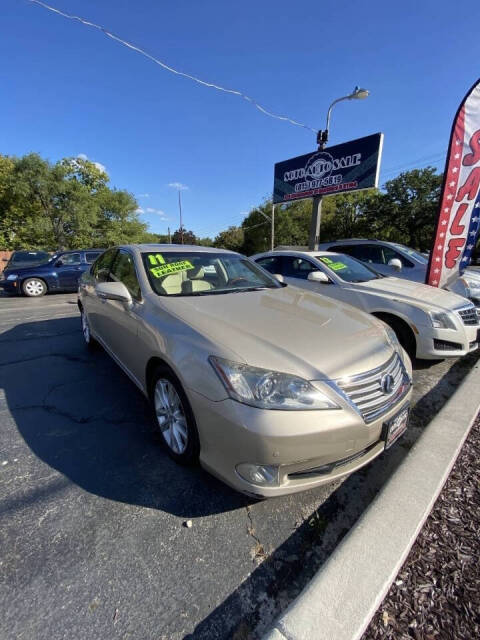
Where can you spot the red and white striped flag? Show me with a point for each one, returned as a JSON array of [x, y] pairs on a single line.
[[458, 221]]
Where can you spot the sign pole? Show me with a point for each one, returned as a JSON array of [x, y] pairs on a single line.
[[272, 243], [314, 237]]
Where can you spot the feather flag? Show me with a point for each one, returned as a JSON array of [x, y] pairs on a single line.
[[458, 220]]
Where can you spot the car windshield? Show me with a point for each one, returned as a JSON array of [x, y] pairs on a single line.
[[195, 273], [348, 268], [419, 257]]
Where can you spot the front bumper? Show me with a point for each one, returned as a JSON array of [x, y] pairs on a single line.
[[298, 442], [434, 344], [9, 286]]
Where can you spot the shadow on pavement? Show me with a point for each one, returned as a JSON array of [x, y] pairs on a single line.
[[79, 413]]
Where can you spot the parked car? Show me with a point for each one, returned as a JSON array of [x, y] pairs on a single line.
[[20, 259], [393, 259], [60, 273], [430, 323], [272, 388]]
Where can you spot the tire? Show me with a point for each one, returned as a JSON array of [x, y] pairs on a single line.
[[173, 417], [34, 287], [405, 336], [90, 341]]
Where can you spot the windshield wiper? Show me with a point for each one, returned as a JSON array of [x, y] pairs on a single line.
[[258, 288]]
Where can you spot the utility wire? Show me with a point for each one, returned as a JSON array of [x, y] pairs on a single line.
[[211, 85]]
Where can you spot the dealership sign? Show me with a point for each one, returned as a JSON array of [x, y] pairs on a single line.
[[350, 166], [458, 220]]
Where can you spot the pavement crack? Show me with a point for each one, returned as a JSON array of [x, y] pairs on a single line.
[[258, 552], [65, 356]]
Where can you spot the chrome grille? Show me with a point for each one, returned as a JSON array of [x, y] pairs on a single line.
[[469, 315], [365, 391]]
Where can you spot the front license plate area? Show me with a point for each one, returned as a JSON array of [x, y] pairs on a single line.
[[393, 428]]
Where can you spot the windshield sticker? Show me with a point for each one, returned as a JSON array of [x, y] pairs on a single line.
[[156, 258], [173, 267], [334, 266]]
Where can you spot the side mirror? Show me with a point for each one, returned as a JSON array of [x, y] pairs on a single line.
[[318, 276], [114, 291], [279, 277], [395, 263], [59, 263]]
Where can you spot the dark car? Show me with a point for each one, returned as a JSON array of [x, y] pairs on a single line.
[[60, 273]]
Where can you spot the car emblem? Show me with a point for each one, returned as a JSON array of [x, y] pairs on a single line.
[[386, 383]]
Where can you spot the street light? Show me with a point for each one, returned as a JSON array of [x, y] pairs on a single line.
[[357, 94], [322, 139]]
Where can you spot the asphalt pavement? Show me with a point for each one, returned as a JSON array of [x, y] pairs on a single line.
[[93, 542]]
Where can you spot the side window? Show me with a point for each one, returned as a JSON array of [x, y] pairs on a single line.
[[70, 259], [348, 249], [123, 270], [101, 268], [390, 253], [297, 267], [272, 264], [91, 256], [370, 253]]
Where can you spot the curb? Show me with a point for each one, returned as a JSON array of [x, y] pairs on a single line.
[[342, 598]]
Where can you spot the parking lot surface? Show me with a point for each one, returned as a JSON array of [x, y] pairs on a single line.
[[93, 542]]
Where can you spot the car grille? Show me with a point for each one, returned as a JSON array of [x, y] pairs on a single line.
[[365, 391], [469, 315]]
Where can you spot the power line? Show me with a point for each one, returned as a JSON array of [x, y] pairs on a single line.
[[210, 85]]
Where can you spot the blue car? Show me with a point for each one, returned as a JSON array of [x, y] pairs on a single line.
[[60, 273]]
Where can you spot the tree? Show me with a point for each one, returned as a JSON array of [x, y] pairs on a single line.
[[188, 237], [63, 205], [406, 212], [232, 239]]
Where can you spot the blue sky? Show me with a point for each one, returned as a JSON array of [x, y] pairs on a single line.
[[69, 90]]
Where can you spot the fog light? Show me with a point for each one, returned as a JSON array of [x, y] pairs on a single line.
[[261, 474]]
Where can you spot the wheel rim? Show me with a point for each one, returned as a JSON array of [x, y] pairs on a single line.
[[34, 287], [171, 416], [85, 328]]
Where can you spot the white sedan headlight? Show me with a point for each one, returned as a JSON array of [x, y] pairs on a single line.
[[267, 389], [441, 320], [12, 276], [473, 287]]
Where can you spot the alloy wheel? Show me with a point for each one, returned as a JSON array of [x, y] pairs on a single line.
[[171, 416], [85, 328]]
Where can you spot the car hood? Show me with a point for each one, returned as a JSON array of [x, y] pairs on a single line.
[[415, 293], [289, 330]]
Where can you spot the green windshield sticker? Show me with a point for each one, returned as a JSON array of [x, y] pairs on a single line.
[[335, 266], [156, 258], [172, 267]]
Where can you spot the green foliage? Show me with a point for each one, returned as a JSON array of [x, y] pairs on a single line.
[[232, 239], [63, 205], [182, 236]]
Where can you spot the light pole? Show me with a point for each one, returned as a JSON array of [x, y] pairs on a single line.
[[322, 139]]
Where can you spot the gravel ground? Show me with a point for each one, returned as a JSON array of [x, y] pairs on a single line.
[[437, 593]]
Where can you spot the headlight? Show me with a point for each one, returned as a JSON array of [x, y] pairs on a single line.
[[392, 338], [441, 320], [12, 276], [267, 389], [473, 287]]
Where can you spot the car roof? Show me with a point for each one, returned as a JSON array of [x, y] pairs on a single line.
[[297, 252], [353, 241], [165, 248]]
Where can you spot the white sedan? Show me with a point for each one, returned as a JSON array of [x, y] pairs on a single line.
[[430, 323]]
